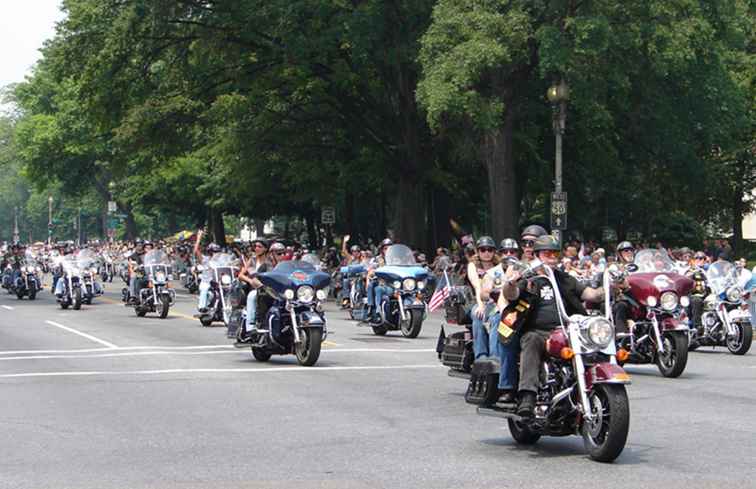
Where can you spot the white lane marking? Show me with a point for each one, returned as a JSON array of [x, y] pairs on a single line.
[[82, 334], [119, 352], [90, 373], [8, 307], [95, 350]]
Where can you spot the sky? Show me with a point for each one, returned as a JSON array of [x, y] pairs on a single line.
[[24, 26]]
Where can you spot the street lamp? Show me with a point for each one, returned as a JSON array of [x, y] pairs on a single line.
[[558, 94], [15, 225], [49, 220]]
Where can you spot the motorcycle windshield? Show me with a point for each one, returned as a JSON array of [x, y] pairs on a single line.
[[223, 260], [70, 264], [156, 257], [312, 259], [399, 255], [654, 261], [722, 275], [85, 258]]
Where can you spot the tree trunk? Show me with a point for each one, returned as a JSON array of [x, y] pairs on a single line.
[[217, 226], [737, 224], [312, 236], [502, 178], [260, 227], [131, 226], [349, 213]]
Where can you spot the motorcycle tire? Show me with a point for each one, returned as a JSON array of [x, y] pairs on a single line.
[[64, 305], [676, 346], [77, 300], [308, 349], [742, 343], [206, 321], [19, 295], [164, 307], [522, 433], [260, 354], [605, 439], [32, 294], [411, 328], [140, 312]]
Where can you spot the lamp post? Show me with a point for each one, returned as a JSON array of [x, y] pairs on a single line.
[[15, 225], [49, 220], [558, 94]]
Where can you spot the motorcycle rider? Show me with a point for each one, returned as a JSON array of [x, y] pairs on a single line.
[[57, 268], [350, 258], [276, 254], [544, 315], [484, 260], [247, 274], [527, 240], [207, 275], [136, 261], [375, 291], [621, 306]]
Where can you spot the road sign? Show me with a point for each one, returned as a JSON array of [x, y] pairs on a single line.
[[633, 236], [559, 210], [557, 233], [609, 234], [328, 215], [112, 207]]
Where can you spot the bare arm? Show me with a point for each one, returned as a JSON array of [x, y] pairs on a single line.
[[197, 245]]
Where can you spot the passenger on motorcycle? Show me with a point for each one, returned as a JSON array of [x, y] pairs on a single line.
[[544, 315], [352, 257], [247, 275], [484, 260], [621, 306], [207, 274], [527, 240], [375, 291]]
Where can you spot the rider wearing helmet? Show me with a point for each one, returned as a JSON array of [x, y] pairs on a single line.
[[484, 261], [527, 240], [206, 277], [136, 261], [544, 315], [508, 248], [375, 292], [621, 306], [625, 252]]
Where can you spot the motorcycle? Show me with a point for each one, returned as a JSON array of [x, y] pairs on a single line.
[[295, 320], [456, 350], [107, 268], [223, 268], [582, 388], [28, 283], [7, 279], [189, 279], [72, 283], [726, 319], [85, 261], [402, 308], [157, 296], [657, 323], [355, 276]]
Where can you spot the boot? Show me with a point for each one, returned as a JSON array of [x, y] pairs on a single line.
[[527, 404]]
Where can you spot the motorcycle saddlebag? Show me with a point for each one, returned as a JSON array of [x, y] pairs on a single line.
[[456, 354], [455, 307]]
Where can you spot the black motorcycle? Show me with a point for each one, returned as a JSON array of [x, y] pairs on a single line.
[[223, 269]]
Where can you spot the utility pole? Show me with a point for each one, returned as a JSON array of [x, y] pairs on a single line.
[[16, 237], [558, 95], [49, 220]]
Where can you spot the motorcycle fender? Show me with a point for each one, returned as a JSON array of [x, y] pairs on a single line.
[[739, 315], [309, 319], [606, 373], [672, 324]]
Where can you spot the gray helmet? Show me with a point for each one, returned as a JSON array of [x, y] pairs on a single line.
[[386, 242], [485, 242], [508, 244], [534, 230], [277, 247], [625, 245], [212, 248], [355, 248], [545, 243]]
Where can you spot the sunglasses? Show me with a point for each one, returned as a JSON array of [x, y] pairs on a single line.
[[486, 250], [550, 253], [528, 243], [508, 252], [280, 253], [699, 257]]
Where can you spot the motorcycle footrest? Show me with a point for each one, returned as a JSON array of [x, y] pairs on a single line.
[[497, 412], [459, 374]]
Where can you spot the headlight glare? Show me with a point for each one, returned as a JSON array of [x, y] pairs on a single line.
[[321, 295], [651, 301], [734, 294], [597, 332], [226, 279], [685, 301], [420, 285], [289, 294], [669, 301], [409, 284], [305, 294], [396, 284]]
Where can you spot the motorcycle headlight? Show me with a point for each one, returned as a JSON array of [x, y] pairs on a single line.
[[321, 295], [597, 332], [396, 284], [93, 270], [305, 294], [160, 277], [710, 302], [200, 268], [734, 294], [669, 301], [289, 294], [409, 284], [651, 301], [39, 270], [685, 301], [226, 279], [420, 285], [23, 269]]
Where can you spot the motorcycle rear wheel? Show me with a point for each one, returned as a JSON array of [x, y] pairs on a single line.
[[741, 343], [672, 363], [605, 437], [522, 433]]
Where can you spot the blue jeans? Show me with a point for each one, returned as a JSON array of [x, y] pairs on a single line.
[[480, 334], [507, 355], [204, 294], [251, 309]]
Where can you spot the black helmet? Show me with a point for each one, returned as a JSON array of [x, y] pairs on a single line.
[[485, 242], [625, 245], [534, 230], [386, 242], [508, 244], [213, 248], [355, 248], [545, 243]]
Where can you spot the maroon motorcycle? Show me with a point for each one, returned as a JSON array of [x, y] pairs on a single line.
[[657, 327]]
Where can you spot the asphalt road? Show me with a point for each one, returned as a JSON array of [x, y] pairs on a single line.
[[99, 398]]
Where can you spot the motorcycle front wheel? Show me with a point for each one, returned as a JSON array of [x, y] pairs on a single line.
[[740, 343], [672, 362], [164, 306], [308, 349], [32, 294], [411, 328], [77, 299], [605, 435]]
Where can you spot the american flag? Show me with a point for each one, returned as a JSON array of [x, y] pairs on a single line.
[[440, 295]]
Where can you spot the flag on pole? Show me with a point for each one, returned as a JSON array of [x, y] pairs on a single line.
[[440, 295]]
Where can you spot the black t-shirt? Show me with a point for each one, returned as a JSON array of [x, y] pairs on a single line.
[[545, 315]]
